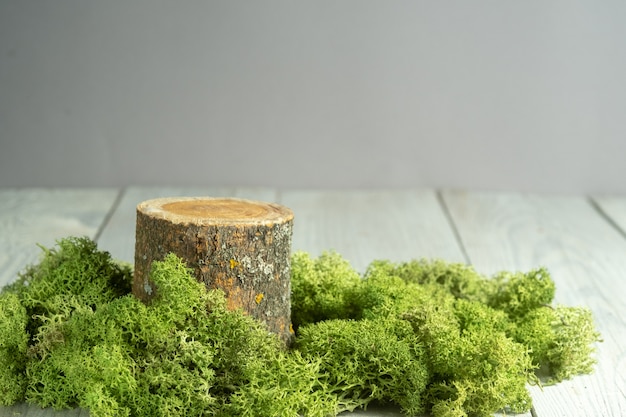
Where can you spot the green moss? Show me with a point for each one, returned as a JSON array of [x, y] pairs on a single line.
[[13, 345], [519, 293], [75, 267], [561, 340], [458, 280], [427, 336], [383, 292], [485, 338], [288, 385], [366, 360], [321, 288], [475, 366]]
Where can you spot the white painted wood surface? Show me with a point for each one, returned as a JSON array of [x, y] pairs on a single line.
[[41, 216], [581, 247], [367, 225], [614, 208], [587, 259]]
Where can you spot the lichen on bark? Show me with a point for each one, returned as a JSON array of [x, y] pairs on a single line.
[[243, 256]]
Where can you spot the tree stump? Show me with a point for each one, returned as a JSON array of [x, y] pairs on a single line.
[[240, 246]]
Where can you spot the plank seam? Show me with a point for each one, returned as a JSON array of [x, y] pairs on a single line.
[[606, 216], [533, 412], [453, 225], [110, 213]]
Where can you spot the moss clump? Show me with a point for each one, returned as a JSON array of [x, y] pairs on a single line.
[[427, 336], [323, 288], [13, 345], [483, 338], [184, 354], [366, 360], [476, 367], [561, 340], [74, 268]]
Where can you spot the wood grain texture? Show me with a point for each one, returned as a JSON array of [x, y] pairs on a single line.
[[30, 216], [399, 225], [242, 247], [367, 225], [583, 251], [585, 256], [614, 208], [119, 235], [41, 216]]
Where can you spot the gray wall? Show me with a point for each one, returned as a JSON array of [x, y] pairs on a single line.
[[521, 95]]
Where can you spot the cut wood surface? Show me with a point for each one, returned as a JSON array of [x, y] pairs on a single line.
[[580, 246], [242, 247], [118, 237]]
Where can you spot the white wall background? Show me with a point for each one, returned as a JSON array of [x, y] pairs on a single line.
[[521, 95]]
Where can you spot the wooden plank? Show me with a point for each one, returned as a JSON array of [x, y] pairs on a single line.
[[397, 225], [585, 255], [41, 216], [367, 225], [118, 237], [614, 208], [31, 216]]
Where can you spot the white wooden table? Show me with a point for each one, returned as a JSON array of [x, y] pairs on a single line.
[[580, 239]]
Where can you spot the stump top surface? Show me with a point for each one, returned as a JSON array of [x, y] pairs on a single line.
[[211, 210]]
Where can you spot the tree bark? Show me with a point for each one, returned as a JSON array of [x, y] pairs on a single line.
[[240, 246]]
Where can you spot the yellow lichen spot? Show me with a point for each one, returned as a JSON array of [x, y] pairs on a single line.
[[259, 298], [233, 264]]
